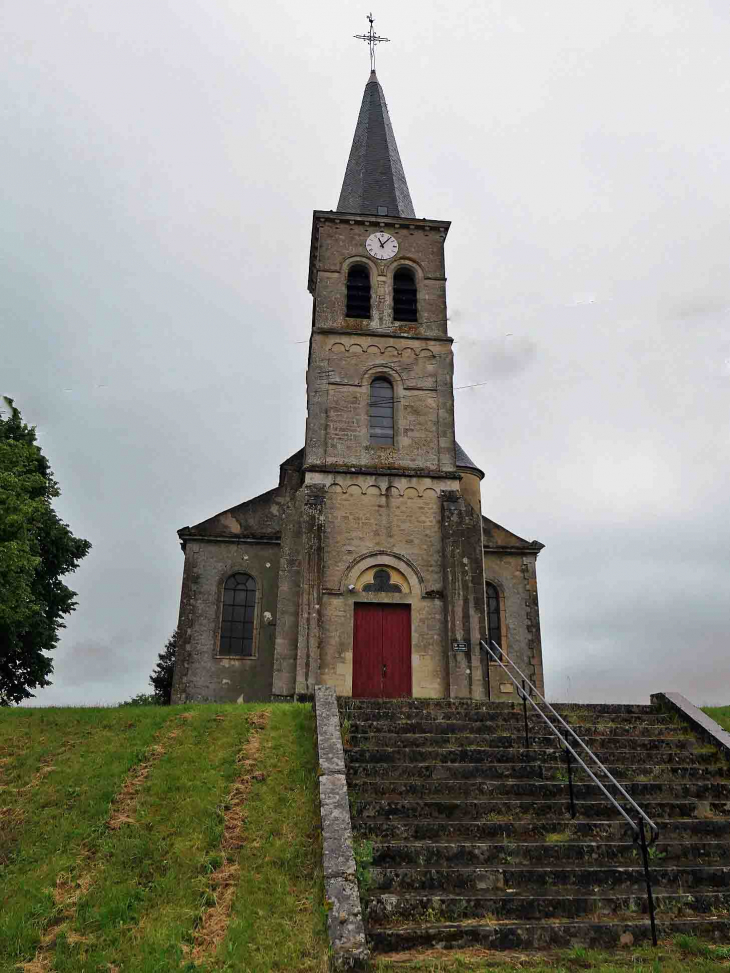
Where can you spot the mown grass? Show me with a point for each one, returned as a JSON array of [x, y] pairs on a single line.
[[278, 920], [682, 953], [720, 714], [62, 816], [144, 885]]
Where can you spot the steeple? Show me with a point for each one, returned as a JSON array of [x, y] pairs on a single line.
[[375, 182]]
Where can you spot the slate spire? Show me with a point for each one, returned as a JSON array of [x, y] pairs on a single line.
[[375, 182]]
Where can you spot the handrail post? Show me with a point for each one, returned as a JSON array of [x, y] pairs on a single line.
[[524, 708], [570, 784], [647, 878]]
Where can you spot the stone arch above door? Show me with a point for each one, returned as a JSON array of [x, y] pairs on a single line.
[[358, 567]]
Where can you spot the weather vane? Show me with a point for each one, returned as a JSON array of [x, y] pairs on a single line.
[[372, 39]]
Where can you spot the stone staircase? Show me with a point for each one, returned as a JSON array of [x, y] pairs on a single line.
[[471, 843]]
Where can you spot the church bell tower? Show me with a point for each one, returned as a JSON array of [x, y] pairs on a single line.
[[370, 567]]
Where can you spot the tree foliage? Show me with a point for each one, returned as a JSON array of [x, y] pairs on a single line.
[[36, 550], [161, 678]]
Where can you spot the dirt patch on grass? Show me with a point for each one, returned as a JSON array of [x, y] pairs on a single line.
[[69, 889], [224, 880]]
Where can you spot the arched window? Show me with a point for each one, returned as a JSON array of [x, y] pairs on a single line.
[[239, 609], [405, 295], [381, 582], [358, 292], [494, 617], [381, 412]]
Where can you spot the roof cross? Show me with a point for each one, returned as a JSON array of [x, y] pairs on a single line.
[[372, 39]]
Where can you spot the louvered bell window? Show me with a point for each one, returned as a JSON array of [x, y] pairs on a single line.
[[381, 412], [358, 292], [405, 295], [239, 610]]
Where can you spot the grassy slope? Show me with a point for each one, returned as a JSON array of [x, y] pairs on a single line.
[[134, 894], [720, 714]]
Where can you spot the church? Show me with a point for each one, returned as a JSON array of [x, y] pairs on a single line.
[[370, 567]]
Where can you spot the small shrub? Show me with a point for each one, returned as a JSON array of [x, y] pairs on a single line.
[[141, 699]]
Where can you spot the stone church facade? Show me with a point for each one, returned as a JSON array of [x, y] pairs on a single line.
[[370, 567]]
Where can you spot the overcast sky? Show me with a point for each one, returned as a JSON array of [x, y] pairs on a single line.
[[161, 162]]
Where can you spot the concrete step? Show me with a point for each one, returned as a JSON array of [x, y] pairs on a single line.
[[549, 771], [540, 935], [516, 741], [513, 729], [539, 790], [539, 755], [475, 810], [385, 907], [552, 830], [527, 879], [475, 854]]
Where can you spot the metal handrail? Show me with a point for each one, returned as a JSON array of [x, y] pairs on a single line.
[[638, 829]]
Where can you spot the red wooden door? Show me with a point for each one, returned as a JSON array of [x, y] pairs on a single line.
[[381, 651]]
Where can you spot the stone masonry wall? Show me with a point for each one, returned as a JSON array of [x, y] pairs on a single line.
[[392, 520], [514, 574], [200, 674], [338, 384], [338, 242]]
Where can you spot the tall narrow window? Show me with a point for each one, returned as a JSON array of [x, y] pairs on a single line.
[[405, 295], [494, 618], [239, 609], [358, 292], [381, 412]]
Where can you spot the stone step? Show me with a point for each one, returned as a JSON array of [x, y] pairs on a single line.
[[549, 771], [474, 810], [538, 790], [515, 742], [426, 854], [436, 756], [487, 731], [522, 880], [515, 716], [347, 706], [387, 908], [540, 935], [552, 830]]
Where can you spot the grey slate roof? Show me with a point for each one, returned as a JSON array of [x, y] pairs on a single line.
[[374, 176], [463, 461]]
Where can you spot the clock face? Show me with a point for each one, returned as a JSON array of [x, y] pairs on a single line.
[[381, 245]]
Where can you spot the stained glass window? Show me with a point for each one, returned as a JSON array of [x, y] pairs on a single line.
[[381, 412], [494, 620], [239, 610], [381, 582]]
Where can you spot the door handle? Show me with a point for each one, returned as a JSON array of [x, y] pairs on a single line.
[[385, 670]]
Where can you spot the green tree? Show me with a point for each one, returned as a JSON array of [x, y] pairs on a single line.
[[161, 678], [36, 550]]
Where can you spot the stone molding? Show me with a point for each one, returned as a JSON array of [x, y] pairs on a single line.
[[344, 915], [701, 723], [384, 332], [356, 347]]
